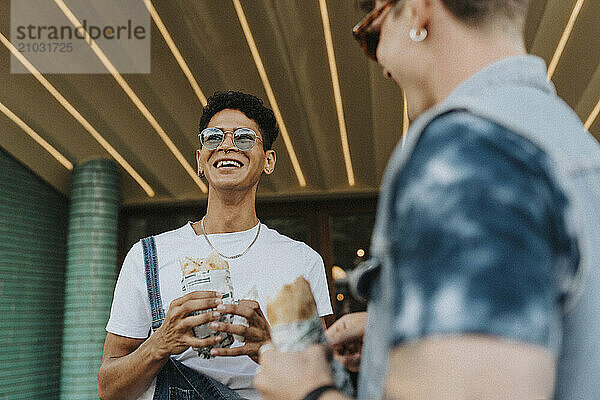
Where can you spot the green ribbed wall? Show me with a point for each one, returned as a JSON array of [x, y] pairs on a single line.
[[33, 232], [90, 275]]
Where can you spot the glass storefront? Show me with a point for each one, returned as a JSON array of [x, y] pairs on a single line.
[[351, 236]]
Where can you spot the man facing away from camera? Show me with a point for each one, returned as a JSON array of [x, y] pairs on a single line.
[[488, 224], [236, 135]]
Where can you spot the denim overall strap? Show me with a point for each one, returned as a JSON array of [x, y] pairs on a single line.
[[151, 266], [175, 381]]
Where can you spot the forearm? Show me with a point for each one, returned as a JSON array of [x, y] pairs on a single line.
[[334, 395], [470, 366], [127, 377]]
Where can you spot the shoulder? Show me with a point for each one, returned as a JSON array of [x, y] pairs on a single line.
[[135, 254], [178, 234], [461, 130], [475, 174], [459, 120], [166, 243], [458, 149], [292, 246]]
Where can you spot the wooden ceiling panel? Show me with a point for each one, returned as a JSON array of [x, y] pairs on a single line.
[[581, 56], [299, 77], [290, 39], [387, 121]]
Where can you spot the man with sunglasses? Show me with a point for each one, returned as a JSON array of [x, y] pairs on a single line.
[[488, 224], [236, 136]]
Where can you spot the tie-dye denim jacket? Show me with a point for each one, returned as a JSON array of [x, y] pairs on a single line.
[[489, 223]]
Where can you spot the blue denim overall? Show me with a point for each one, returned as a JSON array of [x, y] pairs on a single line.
[[175, 381]]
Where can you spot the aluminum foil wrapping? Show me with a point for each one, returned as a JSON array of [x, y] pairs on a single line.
[[298, 336], [252, 294], [217, 280]]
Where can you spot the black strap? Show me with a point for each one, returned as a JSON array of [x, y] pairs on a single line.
[[362, 278], [152, 284], [316, 393]]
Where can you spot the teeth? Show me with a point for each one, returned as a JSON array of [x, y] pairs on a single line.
[[228, 163]]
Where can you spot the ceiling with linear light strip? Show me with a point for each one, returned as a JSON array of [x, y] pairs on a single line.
[[339, 117]]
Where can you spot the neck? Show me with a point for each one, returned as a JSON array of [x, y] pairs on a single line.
[[229, 212], [466, 55]]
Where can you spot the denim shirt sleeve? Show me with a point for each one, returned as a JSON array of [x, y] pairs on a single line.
[[480, 240]]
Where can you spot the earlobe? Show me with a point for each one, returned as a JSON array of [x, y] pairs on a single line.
[[199, 168], [268, 170], [420, 15], [270, 161]]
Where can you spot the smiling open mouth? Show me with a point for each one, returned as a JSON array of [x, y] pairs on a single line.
[[228, 164]]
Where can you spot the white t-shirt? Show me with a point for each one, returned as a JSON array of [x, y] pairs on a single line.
[[273, 261]]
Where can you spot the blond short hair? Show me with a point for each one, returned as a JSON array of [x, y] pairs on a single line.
[[480, 12]]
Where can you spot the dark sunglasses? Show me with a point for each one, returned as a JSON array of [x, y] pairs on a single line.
[[367, 37], [243, 138]]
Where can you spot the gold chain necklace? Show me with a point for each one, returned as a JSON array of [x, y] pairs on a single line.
[[223, 255]]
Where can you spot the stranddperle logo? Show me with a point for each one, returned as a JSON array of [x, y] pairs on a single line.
[[44, 32], [59, 37]]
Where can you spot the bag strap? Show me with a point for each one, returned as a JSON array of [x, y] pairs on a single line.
[[151, 267]]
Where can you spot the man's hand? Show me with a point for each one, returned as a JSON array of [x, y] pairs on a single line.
[[175, 334], [345, 336], [129, 365], [292, 375], [255, 334]]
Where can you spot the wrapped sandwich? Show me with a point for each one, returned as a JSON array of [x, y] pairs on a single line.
[[295, 325], [208, 274]]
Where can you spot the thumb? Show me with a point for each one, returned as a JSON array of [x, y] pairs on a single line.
[[320, 351], [342, 331]]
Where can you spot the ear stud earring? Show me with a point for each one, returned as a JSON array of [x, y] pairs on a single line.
[[417, 36]]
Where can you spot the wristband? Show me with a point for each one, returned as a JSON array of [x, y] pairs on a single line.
[[316, 393]]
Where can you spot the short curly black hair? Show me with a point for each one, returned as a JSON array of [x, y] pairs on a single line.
[[250, 105]]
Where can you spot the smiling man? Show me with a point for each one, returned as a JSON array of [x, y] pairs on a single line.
[[236, 135]]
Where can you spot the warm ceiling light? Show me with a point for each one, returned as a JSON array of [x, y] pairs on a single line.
[[592, 117], [40, 140], [267, 85], [563, 39], [360, 252], [337, 94], [175, 51], [80, 118], [340, 297], [134, 98]]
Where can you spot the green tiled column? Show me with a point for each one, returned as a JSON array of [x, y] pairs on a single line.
[[90, 274], [33, 238]]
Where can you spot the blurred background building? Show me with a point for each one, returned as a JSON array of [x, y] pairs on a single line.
[[92, 162]]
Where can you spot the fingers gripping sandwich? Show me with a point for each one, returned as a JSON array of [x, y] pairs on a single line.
[[210, 274], [295, 325]]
